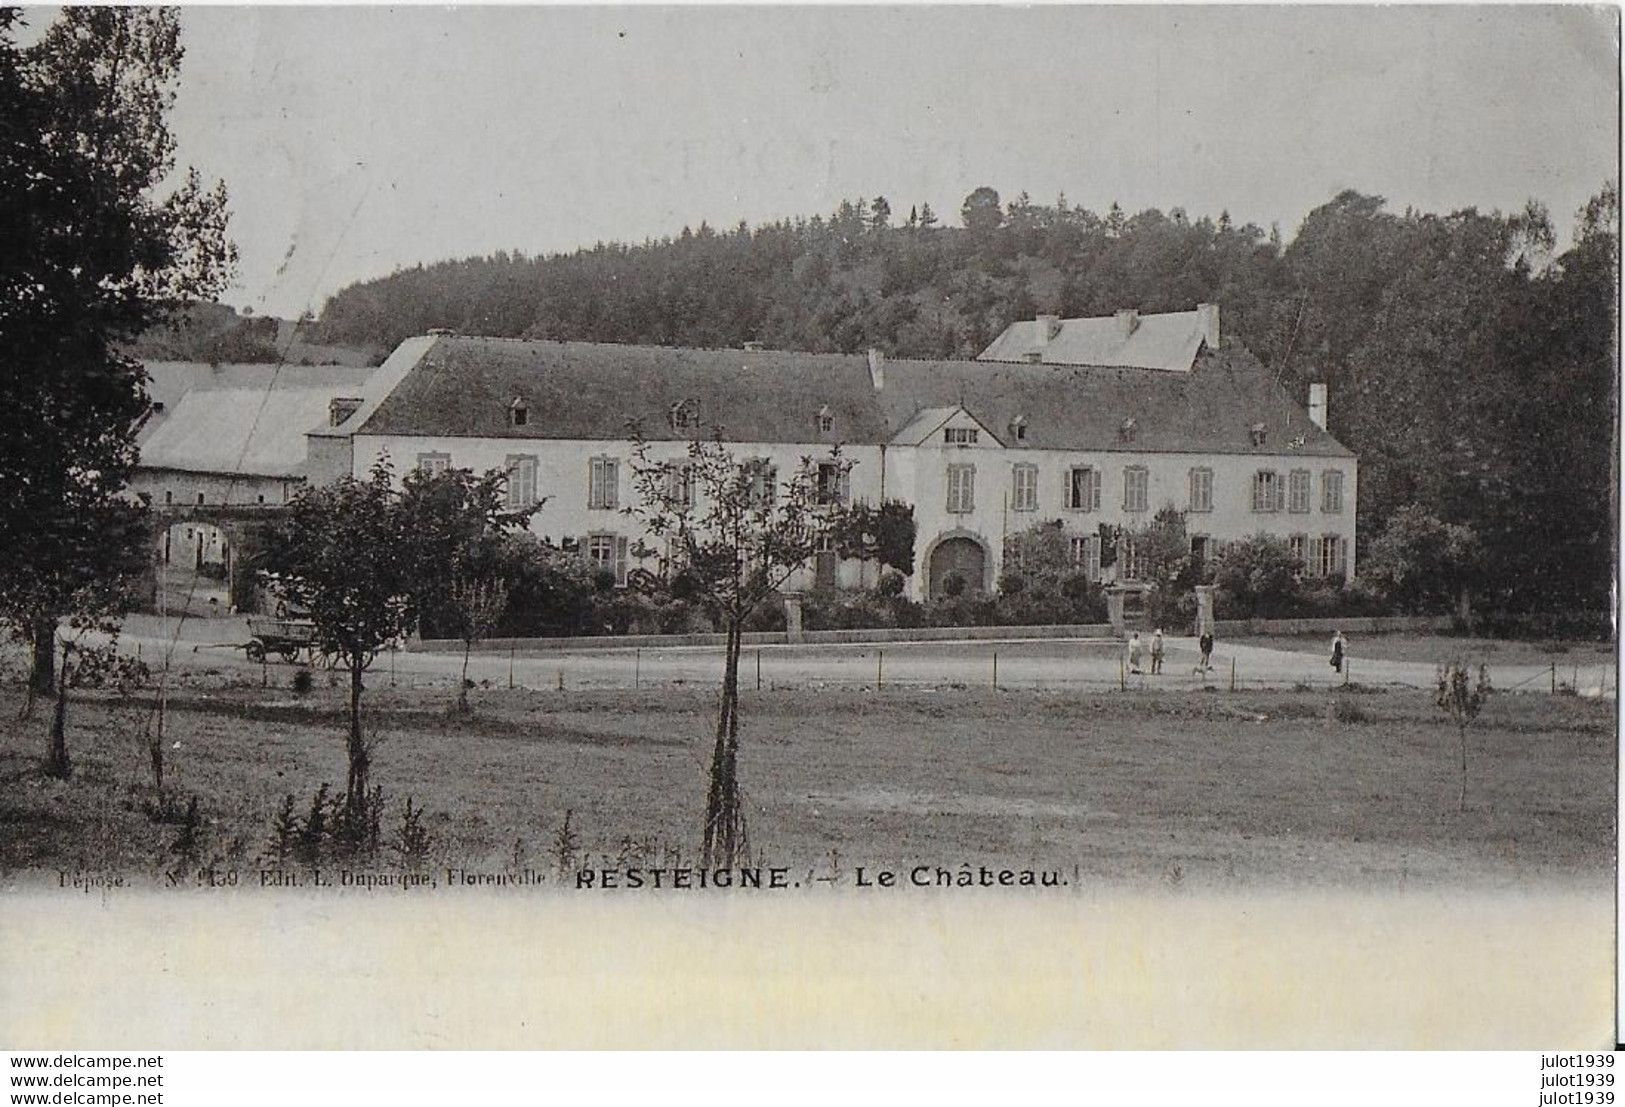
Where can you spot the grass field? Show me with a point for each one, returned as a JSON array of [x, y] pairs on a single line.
[[1439, 648], [1170, 788]]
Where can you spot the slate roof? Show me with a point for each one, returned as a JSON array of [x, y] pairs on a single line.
[[168, 381], [463, 387], [251, 431], [1167, 341]]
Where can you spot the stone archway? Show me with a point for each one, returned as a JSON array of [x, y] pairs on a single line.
[[960, 555], [202, 553]]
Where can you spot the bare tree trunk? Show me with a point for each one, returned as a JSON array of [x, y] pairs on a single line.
[[462, 686], [1461, 800], [722, 821], [42, 637], [356, 794], [57, 762]]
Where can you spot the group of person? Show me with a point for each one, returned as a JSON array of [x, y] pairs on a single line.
[[1136, 650]]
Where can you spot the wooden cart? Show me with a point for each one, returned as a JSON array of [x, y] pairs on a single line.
[[288, 638]]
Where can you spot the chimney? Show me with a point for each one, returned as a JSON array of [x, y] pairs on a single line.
[[1048, 327], [1207, 316], [877, 368], [1317, 405], [1127, 320]]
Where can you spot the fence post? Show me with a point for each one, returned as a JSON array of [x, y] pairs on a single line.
[[511, 649], [995, 670], [758, 670], [1122, 675], [561, 678], [1232, 674], [1554, 678], [637, 669], [1348, 668], [880, 669]]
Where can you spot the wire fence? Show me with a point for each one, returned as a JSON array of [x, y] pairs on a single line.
[[1096, 668]]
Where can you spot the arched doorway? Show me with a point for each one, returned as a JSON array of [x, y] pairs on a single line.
[[957, 557]]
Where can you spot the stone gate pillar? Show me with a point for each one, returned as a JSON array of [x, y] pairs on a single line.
[[1114, 609], [792, 618], [1204, 609]]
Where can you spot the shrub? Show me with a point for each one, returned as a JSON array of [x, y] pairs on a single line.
[[302, 682], [1257, 577]]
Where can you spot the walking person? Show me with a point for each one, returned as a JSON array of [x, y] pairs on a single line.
[[1339, 650], [1156, 651], [1206, 644], [1134, 649]]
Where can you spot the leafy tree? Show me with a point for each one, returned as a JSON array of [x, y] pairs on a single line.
[[1041, 582], [981, 212], [344, 554], [1419, 563], [885, 534], [90, 255], [478, 600], [738, 530], [461, 561], [1162, 554], [1257, 576]]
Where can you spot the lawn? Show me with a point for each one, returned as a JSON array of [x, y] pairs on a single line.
[[1209, 789], [1438, 648]]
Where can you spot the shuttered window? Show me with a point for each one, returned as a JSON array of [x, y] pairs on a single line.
[[1136, 488], [1024, 488], [961, 489], [521, 480], [1331, 492], [1201, 498], [604, 483], [1269, 493], [1083, 488], [609, 552], [1297, 491]]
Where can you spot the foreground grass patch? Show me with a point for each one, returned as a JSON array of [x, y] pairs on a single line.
[[1168, 788]]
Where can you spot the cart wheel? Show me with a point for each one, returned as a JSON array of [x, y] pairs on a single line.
[[256, 651], [289, 654]]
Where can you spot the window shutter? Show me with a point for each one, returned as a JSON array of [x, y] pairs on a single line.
[[1313, 568], [620, 562], [843, 486], [592, 472]]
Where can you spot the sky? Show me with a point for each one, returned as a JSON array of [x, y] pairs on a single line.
[[358, 140]]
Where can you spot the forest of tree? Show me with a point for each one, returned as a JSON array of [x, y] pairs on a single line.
[[1470, 357]]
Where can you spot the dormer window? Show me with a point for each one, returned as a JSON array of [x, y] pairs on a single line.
[[1259, 434], [1018, 428], [518, 413], [681, 416], [157, 407], [341, 408], [826, 420], [1127, 429]]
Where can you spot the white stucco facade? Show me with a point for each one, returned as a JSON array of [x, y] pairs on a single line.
[[986, 510]]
